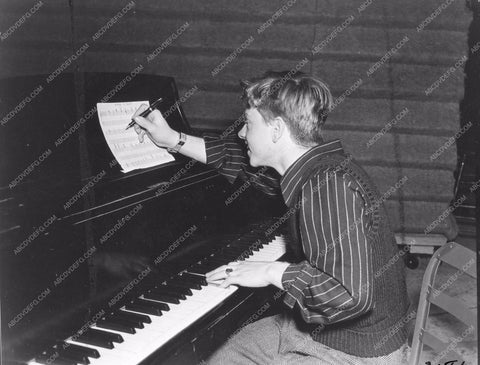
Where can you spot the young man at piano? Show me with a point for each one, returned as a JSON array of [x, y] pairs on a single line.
[[345, 295]]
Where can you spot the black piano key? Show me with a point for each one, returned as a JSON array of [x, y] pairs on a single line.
[[162, 306], [173, 289], [143, 308], [126, 322], [77, 357], [133, 317], [109, 324], [178, 282], [99, 338], [194, 278], [53, 359], [162, 297], [87, 351], [163, 289]]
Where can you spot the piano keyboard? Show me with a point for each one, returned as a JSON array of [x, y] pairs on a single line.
[[131, 333]]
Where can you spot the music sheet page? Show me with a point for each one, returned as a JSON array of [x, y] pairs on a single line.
[[124, 144]]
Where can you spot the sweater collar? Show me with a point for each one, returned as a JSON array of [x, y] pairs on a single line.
[[290, 181]]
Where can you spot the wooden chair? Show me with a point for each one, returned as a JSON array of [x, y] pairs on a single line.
[[465, 261]]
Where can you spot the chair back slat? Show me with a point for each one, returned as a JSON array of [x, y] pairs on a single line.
[[461, 258], [441, 348], [454, 307]]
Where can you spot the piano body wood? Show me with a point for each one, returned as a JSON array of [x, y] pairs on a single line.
[[66, 247]]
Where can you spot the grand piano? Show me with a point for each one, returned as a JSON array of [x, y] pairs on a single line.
[[102, 267]]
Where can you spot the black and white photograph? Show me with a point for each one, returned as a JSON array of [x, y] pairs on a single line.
[[251, 182]]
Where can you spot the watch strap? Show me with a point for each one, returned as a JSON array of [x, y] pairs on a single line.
[[181, 141]]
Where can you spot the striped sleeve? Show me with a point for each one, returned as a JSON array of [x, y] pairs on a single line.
[[333, 284], [228, 156]]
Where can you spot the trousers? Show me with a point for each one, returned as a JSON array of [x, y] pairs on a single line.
[[277, 340]]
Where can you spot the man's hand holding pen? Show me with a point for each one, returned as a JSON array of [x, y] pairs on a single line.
[[155, 127]]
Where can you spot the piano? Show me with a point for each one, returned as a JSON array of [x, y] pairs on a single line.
[[102, 267]]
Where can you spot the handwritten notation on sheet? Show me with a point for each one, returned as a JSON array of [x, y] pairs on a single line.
[[124, 144]]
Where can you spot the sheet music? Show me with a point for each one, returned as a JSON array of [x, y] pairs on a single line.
[[124, 144]]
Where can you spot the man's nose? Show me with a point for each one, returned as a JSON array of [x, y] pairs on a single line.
[[241, 132]]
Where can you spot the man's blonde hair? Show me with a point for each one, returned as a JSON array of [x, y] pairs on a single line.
[[301, 100]]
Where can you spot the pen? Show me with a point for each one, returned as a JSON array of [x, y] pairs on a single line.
[[150, 109]]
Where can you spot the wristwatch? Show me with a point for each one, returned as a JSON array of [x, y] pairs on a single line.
[[181, 142]]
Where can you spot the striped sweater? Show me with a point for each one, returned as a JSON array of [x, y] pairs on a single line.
[[342, 239]]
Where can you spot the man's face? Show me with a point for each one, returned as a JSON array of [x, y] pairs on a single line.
[[257, 135]]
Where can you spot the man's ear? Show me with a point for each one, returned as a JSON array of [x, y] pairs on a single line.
[[278, 128]]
